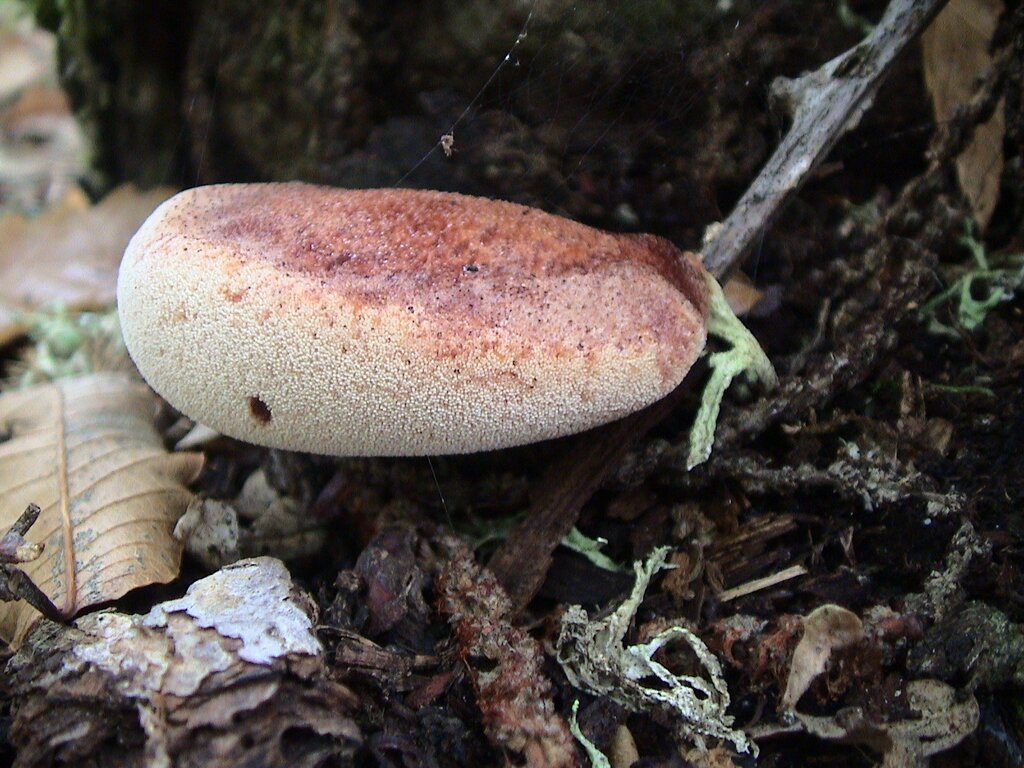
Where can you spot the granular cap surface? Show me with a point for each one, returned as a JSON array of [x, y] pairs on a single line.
[[401, 322]]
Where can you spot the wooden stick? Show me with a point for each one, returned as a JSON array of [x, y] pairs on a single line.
[[756, 585], [825, 105]]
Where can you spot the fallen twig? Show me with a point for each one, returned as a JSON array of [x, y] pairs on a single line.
[[842, 367], [15, 584], [825, 105]]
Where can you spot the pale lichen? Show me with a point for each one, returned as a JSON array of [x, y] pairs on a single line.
[[595, 659], [597, 757]]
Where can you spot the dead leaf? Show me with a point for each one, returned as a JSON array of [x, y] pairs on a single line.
[[43, 149], [956, 53], [941, 719], [826, 629], [717, 757], [69, 254], [43, 144], [741, 294], [26, 57], [86, 451], [623, 752]]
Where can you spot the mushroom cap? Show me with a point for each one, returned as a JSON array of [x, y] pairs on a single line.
[[401, 322]]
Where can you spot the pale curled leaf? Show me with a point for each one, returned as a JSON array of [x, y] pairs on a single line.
[[827, 628], [939, 719], [741, 294], [26, 57], [69, 254], [86, 451]]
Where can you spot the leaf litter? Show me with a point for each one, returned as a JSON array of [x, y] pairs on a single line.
[[68, 255], [86, 451], [882, 518]]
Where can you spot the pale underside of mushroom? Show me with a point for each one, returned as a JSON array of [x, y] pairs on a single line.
[[401, 322]]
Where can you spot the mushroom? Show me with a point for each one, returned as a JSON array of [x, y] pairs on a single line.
[[401, 322]]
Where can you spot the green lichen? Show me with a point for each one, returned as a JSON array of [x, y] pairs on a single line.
[[66, 344], [597, 758], [744, 356], [591, 549], [975, 288]]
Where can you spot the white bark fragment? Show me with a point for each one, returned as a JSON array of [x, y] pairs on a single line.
[[251, 601]]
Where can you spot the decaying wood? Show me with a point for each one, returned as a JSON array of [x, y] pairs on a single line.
[[740, 555], [513, 694], [231, 674], [826, 104]]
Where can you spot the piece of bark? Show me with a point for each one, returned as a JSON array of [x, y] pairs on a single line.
[[232, 674], [513, 693]]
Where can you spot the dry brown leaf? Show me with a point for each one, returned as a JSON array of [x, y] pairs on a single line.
[[43, 149], [956, 53], [26, 57], [86, 451], [742, 294], [69, 254], [43, 146], [940, 718], [623, 752], [827, 628]]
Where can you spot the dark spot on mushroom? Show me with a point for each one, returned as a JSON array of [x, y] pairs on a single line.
[[260, 410], [471, 268]]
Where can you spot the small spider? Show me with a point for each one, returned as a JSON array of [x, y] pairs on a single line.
[[448, 144]]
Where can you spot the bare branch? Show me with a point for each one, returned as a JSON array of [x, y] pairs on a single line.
[[825, 105], [13, 547]]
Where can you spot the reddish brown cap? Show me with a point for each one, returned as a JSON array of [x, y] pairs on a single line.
[[401, 322]]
